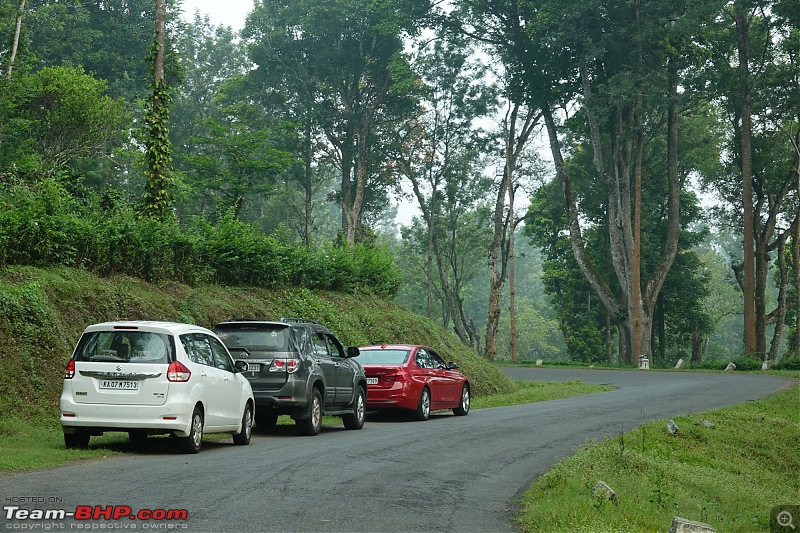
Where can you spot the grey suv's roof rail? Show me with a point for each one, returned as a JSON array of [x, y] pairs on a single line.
[[242, 320], [298, 320]]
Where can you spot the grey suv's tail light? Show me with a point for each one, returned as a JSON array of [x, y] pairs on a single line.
[[284, 365]]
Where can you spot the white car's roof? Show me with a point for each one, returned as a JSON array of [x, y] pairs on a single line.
[[170, 328]]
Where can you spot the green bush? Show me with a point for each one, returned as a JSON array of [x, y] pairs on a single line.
[[44, 225], [746, 364], [788, 364]]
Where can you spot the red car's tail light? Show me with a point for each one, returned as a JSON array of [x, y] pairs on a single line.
[[178, 372], [69, 373], [391, 378], [284, 365]]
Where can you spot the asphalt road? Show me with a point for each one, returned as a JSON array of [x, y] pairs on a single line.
[[447, 474]]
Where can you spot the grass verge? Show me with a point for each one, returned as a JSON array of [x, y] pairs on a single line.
[[729, 475], [27, 447]]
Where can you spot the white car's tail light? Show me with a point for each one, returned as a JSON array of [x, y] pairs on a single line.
[[69, 373], [284, 365], [178, 372]]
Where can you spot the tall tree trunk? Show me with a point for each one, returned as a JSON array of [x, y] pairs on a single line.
[[779, 315], [450, 309], [351, 216], [158, 196], [595, 280], [639, 348], [512, 291], [429, 269], [794, 350], [499, 254], [609, 346], [750, 344], [308, 188], [655, 282], [15, 43]]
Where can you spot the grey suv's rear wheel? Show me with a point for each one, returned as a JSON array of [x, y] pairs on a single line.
[[356, 420], [313, 424], [192, 443]]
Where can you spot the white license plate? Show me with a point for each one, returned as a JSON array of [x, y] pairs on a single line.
[[253, 367], [372, 381], [119, 384]]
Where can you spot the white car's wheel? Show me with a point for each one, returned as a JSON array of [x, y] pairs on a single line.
[[194, 441]]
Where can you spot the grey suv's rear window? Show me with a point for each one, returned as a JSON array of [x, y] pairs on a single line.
[[255, 338], [125, 347]]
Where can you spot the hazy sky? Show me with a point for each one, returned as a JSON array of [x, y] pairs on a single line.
[[226, 12]]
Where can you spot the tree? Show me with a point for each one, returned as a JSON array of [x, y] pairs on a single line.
[[438, 155], [563, 56], [15, 41], [158, 193], [51, 119], [518, 124], [345, 59], [763, 125]]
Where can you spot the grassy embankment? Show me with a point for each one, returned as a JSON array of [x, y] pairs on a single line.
[[729, 475], [44, 311]]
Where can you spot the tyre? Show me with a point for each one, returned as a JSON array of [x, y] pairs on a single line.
[[356, 420], [313, 424], [266, 419], [192, 443], [78, 439], [424, 405], [463, 407], [243, 438]]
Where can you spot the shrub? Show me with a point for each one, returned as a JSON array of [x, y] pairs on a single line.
[[788, 364], [44, 225]]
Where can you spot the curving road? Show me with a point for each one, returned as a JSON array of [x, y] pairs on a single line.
[[447, 474]]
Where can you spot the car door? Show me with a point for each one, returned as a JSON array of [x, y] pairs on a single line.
[[427, 374], [326, 365], [449, 381], [212, 385], [230, 400], [345, 370]]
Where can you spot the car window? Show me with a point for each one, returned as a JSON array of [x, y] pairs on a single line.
[[256, 338], [383, 357], [337, 350], [125, 346], [299, 336], [435, 360], [221, 358], [422, 360], [198, 349], [320, 345]]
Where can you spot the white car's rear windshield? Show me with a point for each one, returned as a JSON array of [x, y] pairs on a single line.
[[382, 357], [125, 347]]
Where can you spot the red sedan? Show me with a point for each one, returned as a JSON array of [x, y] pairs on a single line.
[[407, 376]]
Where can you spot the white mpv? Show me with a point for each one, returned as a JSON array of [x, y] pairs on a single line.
[[149, 378]]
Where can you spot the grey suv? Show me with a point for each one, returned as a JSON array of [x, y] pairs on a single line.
[[297, 367]]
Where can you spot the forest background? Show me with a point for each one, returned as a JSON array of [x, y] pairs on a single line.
[[554, 150]]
